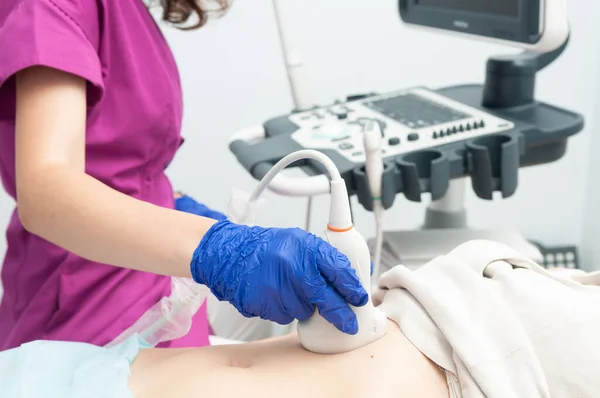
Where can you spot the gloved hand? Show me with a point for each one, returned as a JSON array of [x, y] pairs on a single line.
[[278, 274], [187, 204]]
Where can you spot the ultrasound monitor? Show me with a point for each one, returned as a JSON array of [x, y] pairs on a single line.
[[536, 25]]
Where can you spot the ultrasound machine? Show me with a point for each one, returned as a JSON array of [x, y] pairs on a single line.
[[434, 140]]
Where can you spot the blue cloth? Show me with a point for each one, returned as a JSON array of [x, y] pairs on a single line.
[[278, 274], [52, 369], [189, 205]]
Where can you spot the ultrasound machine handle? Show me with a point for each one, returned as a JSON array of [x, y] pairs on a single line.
[[281, 184]]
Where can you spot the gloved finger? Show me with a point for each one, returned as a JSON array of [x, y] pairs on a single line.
[[215, 215], [297, 307], [279, 318], [187, 204], [272, 312], [372, 267], [337, 270], [327, 300], [335, 310]]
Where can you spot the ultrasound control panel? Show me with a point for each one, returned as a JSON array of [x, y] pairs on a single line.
[[411, 120]]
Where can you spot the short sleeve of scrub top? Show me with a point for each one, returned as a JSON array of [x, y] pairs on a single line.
[[61, 34]]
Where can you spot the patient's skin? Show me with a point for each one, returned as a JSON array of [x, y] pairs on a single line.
[[281, 367]]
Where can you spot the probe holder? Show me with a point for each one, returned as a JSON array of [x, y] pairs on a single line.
[[424, 171], [493, 164], [389, 178]]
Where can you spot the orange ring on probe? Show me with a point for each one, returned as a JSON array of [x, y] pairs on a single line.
[[329, 227]]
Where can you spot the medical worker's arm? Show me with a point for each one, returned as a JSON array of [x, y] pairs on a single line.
[[59, 202], [277, 274], [281, 368]]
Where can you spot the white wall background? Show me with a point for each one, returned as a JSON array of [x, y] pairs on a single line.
[[233, 76]]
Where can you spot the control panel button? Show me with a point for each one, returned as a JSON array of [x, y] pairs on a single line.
[[413, 137], [394, 141], [357, 153], [346, 146], [362, 121], [435, 135], [342, 138], [334, 130], [339, 110], [342, 116]]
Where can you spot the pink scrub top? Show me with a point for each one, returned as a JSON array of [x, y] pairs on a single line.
[[133, 133]]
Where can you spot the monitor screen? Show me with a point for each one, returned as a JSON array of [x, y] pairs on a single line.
[[507, 8]]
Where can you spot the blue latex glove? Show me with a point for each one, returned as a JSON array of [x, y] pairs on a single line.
[[278, 274], [189, 205]]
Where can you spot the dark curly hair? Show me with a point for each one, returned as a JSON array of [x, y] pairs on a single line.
[[178, 12]]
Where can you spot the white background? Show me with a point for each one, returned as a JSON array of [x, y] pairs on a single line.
[[233, 76]]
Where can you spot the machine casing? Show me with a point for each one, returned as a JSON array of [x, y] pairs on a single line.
[[539, 26]]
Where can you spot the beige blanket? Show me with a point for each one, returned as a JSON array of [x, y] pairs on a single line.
[[501, 325]]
